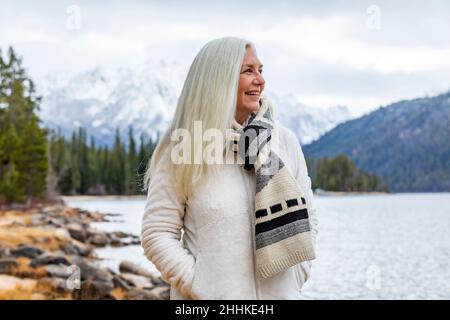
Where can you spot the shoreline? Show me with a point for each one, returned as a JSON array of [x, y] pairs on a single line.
[[49, 252], [108, 197]]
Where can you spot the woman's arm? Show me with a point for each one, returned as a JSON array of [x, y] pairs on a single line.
[[161, 232]]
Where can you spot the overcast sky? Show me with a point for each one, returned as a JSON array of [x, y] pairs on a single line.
[[362, 54]]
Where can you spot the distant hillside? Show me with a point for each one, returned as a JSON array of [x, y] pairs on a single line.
[[406, 143]]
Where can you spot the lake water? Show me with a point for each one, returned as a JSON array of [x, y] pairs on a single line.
[[394, 246]]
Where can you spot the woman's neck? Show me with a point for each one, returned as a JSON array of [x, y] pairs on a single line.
[[242, 118]]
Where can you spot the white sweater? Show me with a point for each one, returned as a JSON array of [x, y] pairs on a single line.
[[215, 257]]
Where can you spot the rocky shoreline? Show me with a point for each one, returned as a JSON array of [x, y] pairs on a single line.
[[48, 252]]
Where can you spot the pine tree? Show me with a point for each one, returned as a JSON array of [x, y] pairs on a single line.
[[132, 160], [32, 162], [23, 146]]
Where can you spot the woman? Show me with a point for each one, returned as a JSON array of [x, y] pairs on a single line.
[[249, 226]]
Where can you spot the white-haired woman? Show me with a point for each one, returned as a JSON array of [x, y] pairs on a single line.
[[242, 226]]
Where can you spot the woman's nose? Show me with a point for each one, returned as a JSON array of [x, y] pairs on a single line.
[[259, 79]]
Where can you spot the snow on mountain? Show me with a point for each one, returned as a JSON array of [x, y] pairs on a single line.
[[308, 123], [102, 100]]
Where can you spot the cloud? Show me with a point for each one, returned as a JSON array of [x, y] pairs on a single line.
[[323, 52]]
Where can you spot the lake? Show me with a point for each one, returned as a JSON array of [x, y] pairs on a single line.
[[388, 246]]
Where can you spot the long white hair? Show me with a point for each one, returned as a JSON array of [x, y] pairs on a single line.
[[209, 95]]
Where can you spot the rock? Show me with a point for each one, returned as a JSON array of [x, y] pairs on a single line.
[[76, 248], [120, 234], [37, 219], [90, 271], [121, 282], [57, 271], [140, 294], [63, 234], [48, 258], [4, 251], [130, 267], [77, 231], [115, 241], [162, 292], [99, 239], [94, 290], [69, 249], [139, 282], [28, 251], [57, 222], [59, 285], [7, 265], [8, 283]]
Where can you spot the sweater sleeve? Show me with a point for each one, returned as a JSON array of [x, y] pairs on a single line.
[[304, 181], [161, 232]]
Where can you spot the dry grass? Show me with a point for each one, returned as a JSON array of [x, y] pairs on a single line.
[[23, 270], [46, 239], [14, 218], [118, 294]]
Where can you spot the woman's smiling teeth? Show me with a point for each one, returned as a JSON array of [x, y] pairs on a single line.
[[252, 93]]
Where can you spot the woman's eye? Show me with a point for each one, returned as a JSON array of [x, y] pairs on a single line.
[[249, 70], [261, 71]]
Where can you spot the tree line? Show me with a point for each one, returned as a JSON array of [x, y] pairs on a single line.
[[341, 174], [82, 167]]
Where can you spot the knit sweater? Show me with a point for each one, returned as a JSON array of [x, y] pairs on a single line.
[[203, 242]]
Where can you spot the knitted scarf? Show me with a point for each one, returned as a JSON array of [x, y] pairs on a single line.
[[282, 230]]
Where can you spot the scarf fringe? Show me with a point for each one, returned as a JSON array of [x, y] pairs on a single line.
[[276, 266]]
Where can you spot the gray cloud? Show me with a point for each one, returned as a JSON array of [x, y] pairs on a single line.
[[321, 50]]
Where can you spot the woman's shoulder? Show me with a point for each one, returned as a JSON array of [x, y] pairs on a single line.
[[287, 135]]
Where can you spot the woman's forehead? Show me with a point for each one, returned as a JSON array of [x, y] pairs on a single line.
[[251, 59]]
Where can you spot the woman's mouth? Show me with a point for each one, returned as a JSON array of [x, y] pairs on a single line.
[[252, 93]]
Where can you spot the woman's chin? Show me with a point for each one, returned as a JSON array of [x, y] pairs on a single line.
[[252, 107]]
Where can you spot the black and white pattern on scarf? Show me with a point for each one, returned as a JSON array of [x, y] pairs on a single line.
[[282, 229]]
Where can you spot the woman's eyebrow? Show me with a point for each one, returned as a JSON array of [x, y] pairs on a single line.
[[251, 65]]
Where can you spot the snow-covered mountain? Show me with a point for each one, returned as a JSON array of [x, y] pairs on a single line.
[[308, 123], [102, 100]]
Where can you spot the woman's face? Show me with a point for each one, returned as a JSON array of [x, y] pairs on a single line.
[[251, 85]]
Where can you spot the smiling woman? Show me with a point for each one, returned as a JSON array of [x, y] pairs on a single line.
[[251, 85], [249, 228]]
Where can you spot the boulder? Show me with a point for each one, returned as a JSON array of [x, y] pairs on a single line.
[[77, 231], [137, 281], [4, 251], [120, 282], [49, 258], [9, 283], [99, 239], [120, 234], [8, 264], [162, 292], [56, 270], [115, 241], [28, 251], [62, 234], [90, 271], [94, 290], [130, 267], [159, 293]]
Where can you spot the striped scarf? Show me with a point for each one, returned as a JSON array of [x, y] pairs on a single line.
[[282, 230]]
